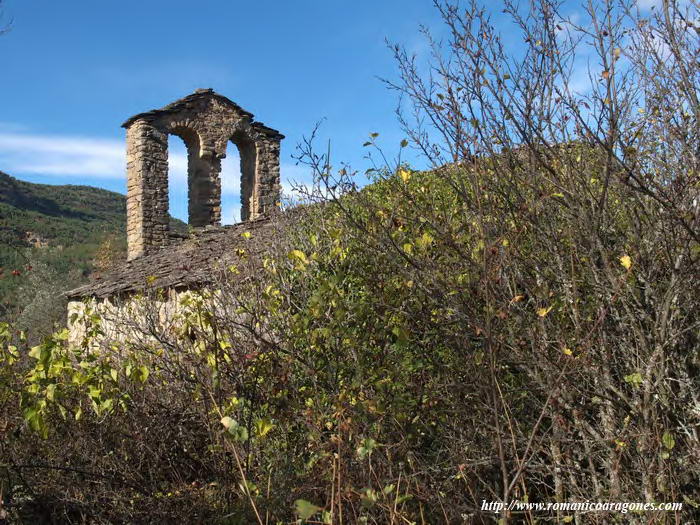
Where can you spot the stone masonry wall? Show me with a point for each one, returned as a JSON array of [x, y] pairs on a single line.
[[147, 188], [207, 123]]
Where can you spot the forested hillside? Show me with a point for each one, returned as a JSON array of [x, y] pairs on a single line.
[[51, 239], [63, 215]]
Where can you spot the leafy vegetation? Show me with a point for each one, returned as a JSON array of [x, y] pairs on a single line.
[[517, 323]]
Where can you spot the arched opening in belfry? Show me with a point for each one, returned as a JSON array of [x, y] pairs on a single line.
[[248, 183], [231, 186], [205, 122], [193, 180], [177, 178]]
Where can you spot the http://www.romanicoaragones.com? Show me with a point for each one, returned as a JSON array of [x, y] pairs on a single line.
[[622, 507]]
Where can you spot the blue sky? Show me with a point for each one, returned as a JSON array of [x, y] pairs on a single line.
[[72, 72]]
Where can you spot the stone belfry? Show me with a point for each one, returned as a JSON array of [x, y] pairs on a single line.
[[206, 122]]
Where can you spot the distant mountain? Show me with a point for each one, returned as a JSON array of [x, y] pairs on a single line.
[[38, 214], [56, 235], [59, 215]]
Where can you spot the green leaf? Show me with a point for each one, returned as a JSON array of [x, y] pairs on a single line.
[[305, 509], [106, 405], [425, 240], [94, 392], [366, 447], [635, 379], [668, 440], [369, 498], [263, 427], [35, 352], [299, 256], [51, 392], [235, 431]]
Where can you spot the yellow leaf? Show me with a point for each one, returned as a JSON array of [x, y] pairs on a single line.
[[568, 351], [246, 235], [424, 240], [517, 298], [626, 261], [51, 392], [299, 256], [542, 312], [405, 175], [263, 427]]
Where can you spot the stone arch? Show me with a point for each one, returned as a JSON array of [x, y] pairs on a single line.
[[247, 152], [203, 178], [206, 122]]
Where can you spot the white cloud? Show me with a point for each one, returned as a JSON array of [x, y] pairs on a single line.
[[61, 155], [231, 172], [91, 160]]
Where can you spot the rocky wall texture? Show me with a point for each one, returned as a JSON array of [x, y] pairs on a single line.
[[207, 123]]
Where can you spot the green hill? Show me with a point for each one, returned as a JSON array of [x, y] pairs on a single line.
[[51, 239], [61, 215]]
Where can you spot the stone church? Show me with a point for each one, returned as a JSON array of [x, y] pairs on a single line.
[[158, 258]]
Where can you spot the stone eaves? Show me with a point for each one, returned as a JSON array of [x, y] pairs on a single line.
[[186, 102]]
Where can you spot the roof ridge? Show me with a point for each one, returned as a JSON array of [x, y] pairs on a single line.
[[181, 103]]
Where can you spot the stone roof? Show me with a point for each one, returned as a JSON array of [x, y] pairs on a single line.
[[186, 102], [192, 262]]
